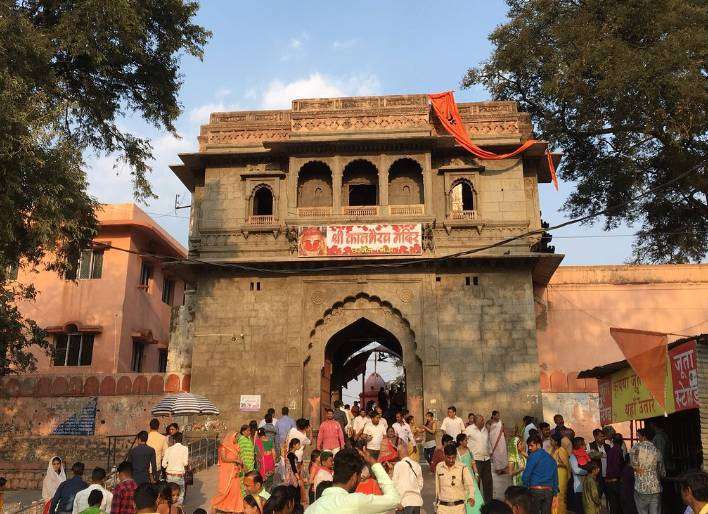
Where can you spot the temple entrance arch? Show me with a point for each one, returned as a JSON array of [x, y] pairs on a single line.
[[336, 342]]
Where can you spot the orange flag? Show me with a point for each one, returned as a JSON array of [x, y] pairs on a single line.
[[446, 109], [646, 352]]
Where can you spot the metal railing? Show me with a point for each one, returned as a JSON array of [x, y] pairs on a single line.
[[314, 212], [360, 210], [407, 210]]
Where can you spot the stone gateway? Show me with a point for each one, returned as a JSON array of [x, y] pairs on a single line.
[[318, 230]]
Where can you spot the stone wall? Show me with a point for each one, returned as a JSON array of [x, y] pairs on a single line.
[[24, 459], [115, 415], [468, 337]]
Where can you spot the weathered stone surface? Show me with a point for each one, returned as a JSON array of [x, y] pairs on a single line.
[[465, 327]]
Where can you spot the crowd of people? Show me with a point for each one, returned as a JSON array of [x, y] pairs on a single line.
[[158, 462], [360, 461]]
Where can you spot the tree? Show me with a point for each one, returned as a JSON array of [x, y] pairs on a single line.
[[69, 71], [620, 87]]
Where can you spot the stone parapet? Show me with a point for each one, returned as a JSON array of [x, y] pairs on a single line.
[[92, 384]]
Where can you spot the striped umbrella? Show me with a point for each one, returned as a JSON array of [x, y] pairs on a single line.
[[184, 404]]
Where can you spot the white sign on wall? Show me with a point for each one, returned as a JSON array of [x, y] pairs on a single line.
[[250, 403]]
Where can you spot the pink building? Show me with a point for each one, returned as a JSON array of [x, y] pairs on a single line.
[[575, 311], [115, 317]]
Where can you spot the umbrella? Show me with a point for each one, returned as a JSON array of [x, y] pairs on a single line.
[[184, 404]]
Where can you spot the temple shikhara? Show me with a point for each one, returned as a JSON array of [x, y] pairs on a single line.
[[318, 230]]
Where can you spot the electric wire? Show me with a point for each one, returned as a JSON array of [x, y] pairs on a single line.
[[410, 262]]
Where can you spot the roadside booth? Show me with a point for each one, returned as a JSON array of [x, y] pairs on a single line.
[[625, 397]]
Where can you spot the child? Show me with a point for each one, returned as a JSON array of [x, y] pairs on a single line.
[[94, 501], [312, 472], [591, 493]]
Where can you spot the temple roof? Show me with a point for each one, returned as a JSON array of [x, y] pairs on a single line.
[[345, 124]]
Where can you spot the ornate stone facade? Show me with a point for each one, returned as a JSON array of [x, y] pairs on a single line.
[[269, 322]]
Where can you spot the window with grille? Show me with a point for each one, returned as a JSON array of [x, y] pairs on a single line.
[[73, 349], [136, 364], [145, 274], [90, 265], [168, 291], [162, 364]]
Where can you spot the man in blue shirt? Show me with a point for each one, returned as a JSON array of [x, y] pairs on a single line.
[[63, 501], [282, 427], [540, 476]]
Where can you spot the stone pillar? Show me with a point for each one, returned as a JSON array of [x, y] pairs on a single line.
[[427, 183], [179, 355], [294, 165], [383, 184], [337, 172]]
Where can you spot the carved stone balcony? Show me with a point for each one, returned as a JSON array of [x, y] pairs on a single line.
[[462, 215], [360, 210], [314, 212], [407, 210], [262, 220]]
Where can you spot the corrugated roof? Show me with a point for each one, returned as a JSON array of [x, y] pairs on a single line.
[[608, 369]]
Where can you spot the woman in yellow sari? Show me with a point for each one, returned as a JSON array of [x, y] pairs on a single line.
[[559, 453], [229, 497]]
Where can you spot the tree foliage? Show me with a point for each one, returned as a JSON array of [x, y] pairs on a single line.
[[620, 87], [69, 71]]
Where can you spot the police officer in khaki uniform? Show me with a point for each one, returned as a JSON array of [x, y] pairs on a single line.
[[453, 483]]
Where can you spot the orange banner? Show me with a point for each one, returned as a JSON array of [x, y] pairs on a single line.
[[446, 109], [646, 353]]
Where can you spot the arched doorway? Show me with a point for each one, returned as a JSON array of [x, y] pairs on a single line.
[[350, 324], [346, 355]]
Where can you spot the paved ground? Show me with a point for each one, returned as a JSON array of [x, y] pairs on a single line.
[[204, 489]]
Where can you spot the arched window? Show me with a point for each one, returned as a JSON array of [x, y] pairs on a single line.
[[405, 183], [360, 183], [263, 202], [314, 185], [462, 197]]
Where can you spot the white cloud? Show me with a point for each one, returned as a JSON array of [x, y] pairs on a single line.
[[201, 114], [110, 182], [344, 44], [295, 47], [279, 95]]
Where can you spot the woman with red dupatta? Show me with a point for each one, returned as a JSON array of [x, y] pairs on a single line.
[[229, 497], [388, 456]]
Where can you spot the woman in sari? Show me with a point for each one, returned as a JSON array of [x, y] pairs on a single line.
[[248, 450], [229, 497], [464, 456], [388, 456], [517, 459], [266, 458], [562, 458], [55, 476]]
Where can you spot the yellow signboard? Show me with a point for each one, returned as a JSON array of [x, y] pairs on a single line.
[[632, 400]]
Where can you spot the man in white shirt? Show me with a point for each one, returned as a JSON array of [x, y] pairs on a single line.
[[408, 479], [175, 462], [340, 498], [270, 411], [301, 431], [374, 433], [358, 423], [478, 443], [528, 426], [98, 478], [403, 429], [452, 425]]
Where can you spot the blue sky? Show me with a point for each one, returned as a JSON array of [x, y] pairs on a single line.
[[264, 54]]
